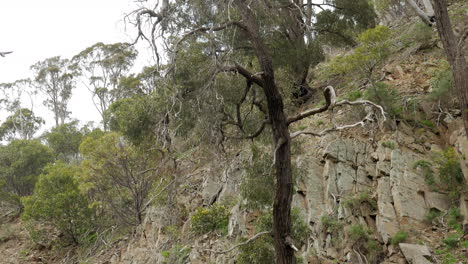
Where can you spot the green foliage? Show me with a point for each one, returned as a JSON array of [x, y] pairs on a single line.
[[331, 224], [455, 219], [141, 119], [427, 171], [422, 33], [358, 233], [258, 186], [433, 215], [178, 254], [442, 84], [386, 96], [6, 232], [299, 229], [22, 124], [339, 26], [57, 202], [451, 241], [21, 162], [357, 200], [427, 123], [389, 144], [215, 217], [260, 251], [373, 49], [450, 172], [399, 237], [65, 140], [353, 95], [119, 176]]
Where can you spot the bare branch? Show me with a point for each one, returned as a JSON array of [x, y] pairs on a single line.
[[240, 244], [244, 72], [330, 98], [360, 123]]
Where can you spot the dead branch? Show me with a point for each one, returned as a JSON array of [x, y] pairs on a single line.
[[331, 104], [240, 244], [330, 98]]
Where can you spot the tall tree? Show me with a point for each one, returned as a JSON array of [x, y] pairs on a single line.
[[455, 54], [244, 39], [453, 47], [23, 124], [104, 65], [54, 77]]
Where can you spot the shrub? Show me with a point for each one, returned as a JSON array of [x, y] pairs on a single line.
[[454, 219], [354, 95], [426, 168], [386, 96], [331, 224], [432, 215], [209, 219], [258, 186], [57, 202], [399, 237], [358, 233], [260, 251], [176, 255], [442, 83], [389, 144], [364, 197], [451, 241], [299, 229], [450, 171]]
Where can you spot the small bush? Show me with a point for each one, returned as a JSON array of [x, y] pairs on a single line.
[[358, 233], [451, 241], [209, 219], [422, 33], [354, 95], [399, 237], [389, 144], [386, 96], [331, 224], [426, 168], [432, 215], [57, 202], [442, 84], [176, 255], [454, 219], [427, 123], [450, 171], [258, 187], [260, 251], [364, 197]]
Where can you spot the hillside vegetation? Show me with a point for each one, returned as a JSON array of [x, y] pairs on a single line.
[[265, 132]]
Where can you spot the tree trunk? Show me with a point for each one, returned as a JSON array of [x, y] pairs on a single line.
[[455, 57], [281, 139]]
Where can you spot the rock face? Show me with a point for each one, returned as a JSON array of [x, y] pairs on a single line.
[[350, 181], [415, 254]]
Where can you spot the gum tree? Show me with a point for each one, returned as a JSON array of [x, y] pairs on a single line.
[[228, 56]]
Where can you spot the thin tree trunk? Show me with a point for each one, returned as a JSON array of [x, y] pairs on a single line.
[[455, 57], [281, 139]]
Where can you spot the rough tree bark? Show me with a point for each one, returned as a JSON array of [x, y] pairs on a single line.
[[455, 56], [281, 139]]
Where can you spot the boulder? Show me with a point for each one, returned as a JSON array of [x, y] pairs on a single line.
[[415, 254]]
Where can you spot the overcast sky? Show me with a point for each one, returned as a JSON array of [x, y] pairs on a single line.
[[38, 29]]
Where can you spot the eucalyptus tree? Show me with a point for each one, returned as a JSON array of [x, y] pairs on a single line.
[[103, 65], [436, 13], [54, 77], [22, 124], [241, 61]]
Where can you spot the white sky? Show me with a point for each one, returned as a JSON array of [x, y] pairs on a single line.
[[38, 29]]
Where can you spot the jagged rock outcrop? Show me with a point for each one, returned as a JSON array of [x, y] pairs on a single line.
[[333, 175]]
